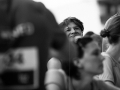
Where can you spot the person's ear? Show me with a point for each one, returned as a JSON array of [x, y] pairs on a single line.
[[78, 63]]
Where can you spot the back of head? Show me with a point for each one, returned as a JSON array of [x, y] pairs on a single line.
[[112, 29], [74, 20]]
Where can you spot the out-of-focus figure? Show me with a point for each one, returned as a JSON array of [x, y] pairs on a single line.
[[31, 30], [73, 28]]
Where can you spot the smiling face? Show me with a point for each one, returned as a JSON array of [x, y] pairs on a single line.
[[72, 30], [92, 59]]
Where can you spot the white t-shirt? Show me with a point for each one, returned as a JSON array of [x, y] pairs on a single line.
[[111, 70]]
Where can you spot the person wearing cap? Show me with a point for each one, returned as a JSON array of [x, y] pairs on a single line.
[[111, 74], [39, 31]]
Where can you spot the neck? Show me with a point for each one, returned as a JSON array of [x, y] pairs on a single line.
[[114, 51], [84, 83]]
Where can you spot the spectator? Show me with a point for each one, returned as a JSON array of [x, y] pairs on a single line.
[[73, 28], [41, 32], [80, 71], [111, 74]]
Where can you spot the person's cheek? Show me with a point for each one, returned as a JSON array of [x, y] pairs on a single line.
[[67, 33], [97, 62], [89, 63], [93, 61]]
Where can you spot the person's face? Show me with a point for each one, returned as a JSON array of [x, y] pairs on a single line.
[[92, 59], [72, 30]]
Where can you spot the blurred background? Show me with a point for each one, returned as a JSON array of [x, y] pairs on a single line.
[[93, 13]]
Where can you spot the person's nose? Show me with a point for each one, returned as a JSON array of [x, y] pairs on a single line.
[[72, 30]]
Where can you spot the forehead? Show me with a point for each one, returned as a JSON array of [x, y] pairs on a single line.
[[92, 46], [72, 24]]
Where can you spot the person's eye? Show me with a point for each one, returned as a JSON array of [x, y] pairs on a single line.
[[76, 28], [96, 53], [67, 30]]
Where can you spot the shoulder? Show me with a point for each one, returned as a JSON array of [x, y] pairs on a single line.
[[101, 85], [56, 77], [107, 58], [98, 82], [54, 63]]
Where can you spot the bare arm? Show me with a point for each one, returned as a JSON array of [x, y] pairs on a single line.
[[52, 87], [54, 80]]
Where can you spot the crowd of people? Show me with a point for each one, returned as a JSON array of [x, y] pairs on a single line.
[[37, 53], [97, 65]]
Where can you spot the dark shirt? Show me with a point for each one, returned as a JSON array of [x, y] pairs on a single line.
[[46, 32]]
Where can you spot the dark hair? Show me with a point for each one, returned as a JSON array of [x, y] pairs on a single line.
[[89, 33], [112, 29], [68, 66], [74, 20], [98, 39]]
